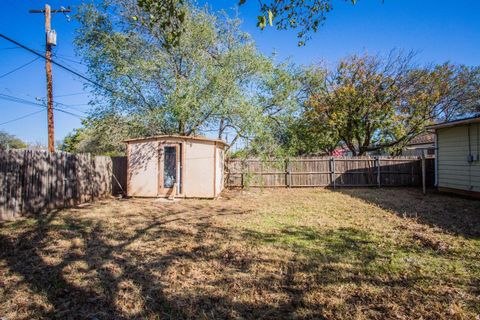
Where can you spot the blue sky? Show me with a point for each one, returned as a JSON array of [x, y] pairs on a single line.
[[438, 30]]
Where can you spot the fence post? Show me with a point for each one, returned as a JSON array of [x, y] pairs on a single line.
[[330, 168], [242, 168], [424, 174], [332, 172], [288, 176], [50, 160], [286, 173], [378, 171]]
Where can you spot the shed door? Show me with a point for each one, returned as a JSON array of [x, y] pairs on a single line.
[[169, 169]]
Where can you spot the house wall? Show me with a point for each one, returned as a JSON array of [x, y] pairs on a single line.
[[142, 169], [219, 167], [199, 169], [454, 170]]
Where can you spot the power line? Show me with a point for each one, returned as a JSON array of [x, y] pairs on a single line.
[[32, 103], [60, 104], [18, 68], [69, 113], [70, 94], [22, 117], [66, 68], [57, 63], [67, 64], [76, 105], [18, 93], [25, 101], [18, 100], [66, 58], [70, 107]]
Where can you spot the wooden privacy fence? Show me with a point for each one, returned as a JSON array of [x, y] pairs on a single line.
[[332, 172], [39, 181]]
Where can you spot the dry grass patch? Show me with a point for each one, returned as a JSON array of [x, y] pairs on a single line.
[[300, 253]]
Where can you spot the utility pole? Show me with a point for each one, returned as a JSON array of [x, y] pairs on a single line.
[[50, 40]]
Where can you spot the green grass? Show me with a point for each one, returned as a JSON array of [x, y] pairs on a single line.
[[373, 237]]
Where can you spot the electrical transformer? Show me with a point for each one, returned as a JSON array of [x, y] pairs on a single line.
[[52, 37]]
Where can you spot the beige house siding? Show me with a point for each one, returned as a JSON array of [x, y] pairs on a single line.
[[454, 170]]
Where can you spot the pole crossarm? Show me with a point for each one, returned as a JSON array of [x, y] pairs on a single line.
[[52, 11]]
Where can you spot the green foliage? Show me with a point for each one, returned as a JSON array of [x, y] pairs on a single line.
[[8, 141], [71, 142], [373, 103], [302, 134], [306, 137], [212, 81], [168, 15], [98, 136]]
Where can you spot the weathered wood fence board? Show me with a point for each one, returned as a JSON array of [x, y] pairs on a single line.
[[119, 175], [334, 172], [37, 181]]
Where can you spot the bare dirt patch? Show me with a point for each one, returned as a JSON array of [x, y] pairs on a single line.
[[301, 254]]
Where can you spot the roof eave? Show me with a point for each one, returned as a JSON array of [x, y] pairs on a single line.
[[453, 123], [175, 137]]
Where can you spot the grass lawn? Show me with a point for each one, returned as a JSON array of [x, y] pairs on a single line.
[[272, 254]]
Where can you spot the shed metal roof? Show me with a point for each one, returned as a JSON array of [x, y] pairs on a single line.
[[176, 137]]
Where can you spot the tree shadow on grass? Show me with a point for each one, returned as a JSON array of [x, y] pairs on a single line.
[[326, 260], [25, 256], [452, 214], [381, 273], [111, 273], [104, 275], [346, 248]]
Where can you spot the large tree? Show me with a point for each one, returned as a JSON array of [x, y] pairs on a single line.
[[9, 141], [213, 81], [374, 103]]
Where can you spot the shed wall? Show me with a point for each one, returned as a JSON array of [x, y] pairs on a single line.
[[143, 169], [199, 169], [454, 170], [219, 167]]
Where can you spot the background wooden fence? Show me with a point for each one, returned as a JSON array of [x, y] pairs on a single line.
[[333, 172], [38, 181]]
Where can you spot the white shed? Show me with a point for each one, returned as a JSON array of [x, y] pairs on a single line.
[[457, 156], [162, 166]]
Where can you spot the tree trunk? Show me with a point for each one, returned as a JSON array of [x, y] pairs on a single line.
[[351, 147], [181, 128], [221, 128]]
